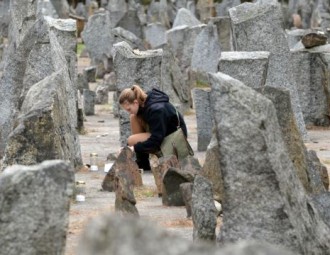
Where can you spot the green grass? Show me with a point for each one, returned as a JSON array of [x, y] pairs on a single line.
[[80, 48], [202, 84]]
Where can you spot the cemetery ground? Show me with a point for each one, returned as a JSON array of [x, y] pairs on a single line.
[[102, 136]]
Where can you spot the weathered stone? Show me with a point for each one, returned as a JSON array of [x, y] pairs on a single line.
[[172, 179], [296, 149], [185, 18], [224, 32], [159, 167], [294, 36], [62, 8], [258, 27], [34, 211], [190, 164], [203, 117], [318, 173], [261, 186], [211, 168], [186, 190], [155, 35], [181, 40], [311, 71], [124, 163], [121, 34], [89, 102], [314, 39], [110, 234], [159, 12], [82, 82], [131, 22], [322, 203], [125, 200], [90, 73], [206, 52], [98, 39], [102, 95], [173, 80], [144, 68], [248, 67], [223, 7], [204, 213], [21, 44]]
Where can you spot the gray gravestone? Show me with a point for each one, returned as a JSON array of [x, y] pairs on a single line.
[[263, 197], [34, 211], [258, 27], [248, 67], [203, 117]]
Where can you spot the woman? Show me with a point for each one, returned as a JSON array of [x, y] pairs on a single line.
[[152, 118]]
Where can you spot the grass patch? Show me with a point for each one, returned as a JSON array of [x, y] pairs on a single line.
[[80, 48], [202, 84], [145, 192]]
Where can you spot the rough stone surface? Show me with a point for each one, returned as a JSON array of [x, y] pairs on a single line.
[[186, 190], [204, 213], [311, 71], [185, 18], [172, 179], [248, 67], [211, 168], [314, 39], [258, 27], [89, 100], [296, 149], [203, 117], [125, 200], [159, 168], [34, 208], [261, 187], [206, 52]]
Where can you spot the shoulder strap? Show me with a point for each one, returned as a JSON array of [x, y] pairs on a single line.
[[177, 115]]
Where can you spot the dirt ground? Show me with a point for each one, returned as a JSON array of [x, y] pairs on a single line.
[[102, 137]]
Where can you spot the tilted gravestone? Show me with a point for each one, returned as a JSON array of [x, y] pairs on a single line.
[[263, 196], [144, 69], [155, 34], [248, 67], [173, 81], [185, 18], [258, 27], [34, 55], [313, 85], [204, 119], [98, 39], [34, 208], [46, 119], [206, 52], [224, 32], [204, 213], [295, 146]]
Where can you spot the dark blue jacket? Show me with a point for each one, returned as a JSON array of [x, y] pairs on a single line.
[[161, 117]]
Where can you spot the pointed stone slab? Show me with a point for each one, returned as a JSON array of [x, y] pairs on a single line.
[[258, 27], [263, 196]]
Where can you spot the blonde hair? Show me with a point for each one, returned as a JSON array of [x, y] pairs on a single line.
[[131, 94]]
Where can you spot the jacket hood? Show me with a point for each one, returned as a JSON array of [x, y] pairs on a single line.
[[155, 96]]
